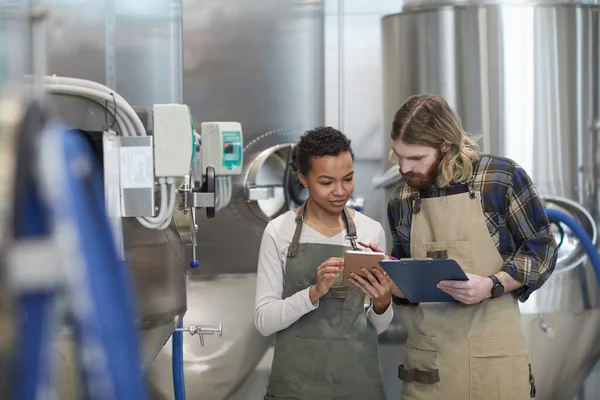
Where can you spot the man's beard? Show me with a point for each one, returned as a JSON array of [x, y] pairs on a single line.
[[421, 181]]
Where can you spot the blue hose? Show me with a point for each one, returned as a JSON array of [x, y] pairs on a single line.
[[559, 216], [34, 364], [99, 286], [35, 305], [177, 360]]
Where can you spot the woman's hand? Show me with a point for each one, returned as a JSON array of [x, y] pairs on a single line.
[[377, 286], [327, 273], [395, 289]]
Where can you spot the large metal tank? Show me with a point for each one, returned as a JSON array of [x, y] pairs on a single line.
[[259, 62], [525, 77]]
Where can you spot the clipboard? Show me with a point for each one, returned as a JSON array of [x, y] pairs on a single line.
[[354, 261], [418, 279]]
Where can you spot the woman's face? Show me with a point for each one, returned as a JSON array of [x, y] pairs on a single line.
[[330, 181]]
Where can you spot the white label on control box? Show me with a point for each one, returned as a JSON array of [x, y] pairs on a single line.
[[137, 169]]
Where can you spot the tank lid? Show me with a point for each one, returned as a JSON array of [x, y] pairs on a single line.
[[410, 5]]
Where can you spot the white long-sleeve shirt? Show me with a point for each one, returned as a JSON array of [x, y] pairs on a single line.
[[272, 313]]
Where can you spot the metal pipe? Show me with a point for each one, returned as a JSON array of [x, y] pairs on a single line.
[[176, 53], [37, 46], [595, 129], [111, 47], [341, 65]]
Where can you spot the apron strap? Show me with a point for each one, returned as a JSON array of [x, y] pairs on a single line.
[[293, 250], [471, 182], [470, 187], [350, 229], [416, 202], [348, 221]]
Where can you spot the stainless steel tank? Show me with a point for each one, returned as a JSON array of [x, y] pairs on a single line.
[[216, 370], [258, 62], [525, 77]]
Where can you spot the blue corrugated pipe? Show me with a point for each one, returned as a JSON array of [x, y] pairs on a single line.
[[177, 360], [559, 216]]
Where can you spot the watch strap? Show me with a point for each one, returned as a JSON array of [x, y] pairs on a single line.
[[495, 279]]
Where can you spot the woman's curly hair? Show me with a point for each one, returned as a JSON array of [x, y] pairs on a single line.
[[318, 142]]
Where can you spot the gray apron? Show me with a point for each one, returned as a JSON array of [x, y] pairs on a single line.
[[331, 352]]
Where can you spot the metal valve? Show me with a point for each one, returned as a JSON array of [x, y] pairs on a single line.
[[196, 198], [547, 329], [202, 330]]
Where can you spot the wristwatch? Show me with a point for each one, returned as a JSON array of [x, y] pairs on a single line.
[[498, 288]]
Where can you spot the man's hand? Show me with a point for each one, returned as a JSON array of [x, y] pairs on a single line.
[[473, 291], [376, 286]]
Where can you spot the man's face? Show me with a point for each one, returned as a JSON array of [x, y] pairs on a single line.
[[418, 164]]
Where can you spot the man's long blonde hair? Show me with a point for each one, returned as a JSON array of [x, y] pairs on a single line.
[[428, 120]]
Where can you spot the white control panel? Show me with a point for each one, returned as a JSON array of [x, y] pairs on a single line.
[[222, 147], [173, 140]]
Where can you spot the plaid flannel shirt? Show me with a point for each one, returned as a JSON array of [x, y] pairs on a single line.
[[514, 215]]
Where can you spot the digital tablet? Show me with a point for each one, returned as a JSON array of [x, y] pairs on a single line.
[[354, 261], [418, 279]]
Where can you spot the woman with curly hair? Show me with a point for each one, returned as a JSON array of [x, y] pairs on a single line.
[[326, 338]]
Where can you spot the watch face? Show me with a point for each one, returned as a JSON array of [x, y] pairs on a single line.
[[497, 290]]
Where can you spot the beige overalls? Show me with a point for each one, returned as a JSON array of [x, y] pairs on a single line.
[[456, 351]]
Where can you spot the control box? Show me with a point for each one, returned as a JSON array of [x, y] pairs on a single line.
[[222, 147], [173, 140]]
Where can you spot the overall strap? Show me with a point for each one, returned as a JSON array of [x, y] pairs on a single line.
[[293, 250], [470, 183], [348, 221], [350, 228]]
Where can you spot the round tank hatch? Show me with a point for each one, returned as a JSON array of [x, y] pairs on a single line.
[[570, 252], [271, 186]]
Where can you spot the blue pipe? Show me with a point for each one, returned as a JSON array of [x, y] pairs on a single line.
[[35, 305], [34, 365], [559, 216], [177, 360], [105, 330]]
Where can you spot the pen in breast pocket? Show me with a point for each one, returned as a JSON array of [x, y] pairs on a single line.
[[369, 247]]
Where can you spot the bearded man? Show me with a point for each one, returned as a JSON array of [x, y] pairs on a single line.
[[484, 212]]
